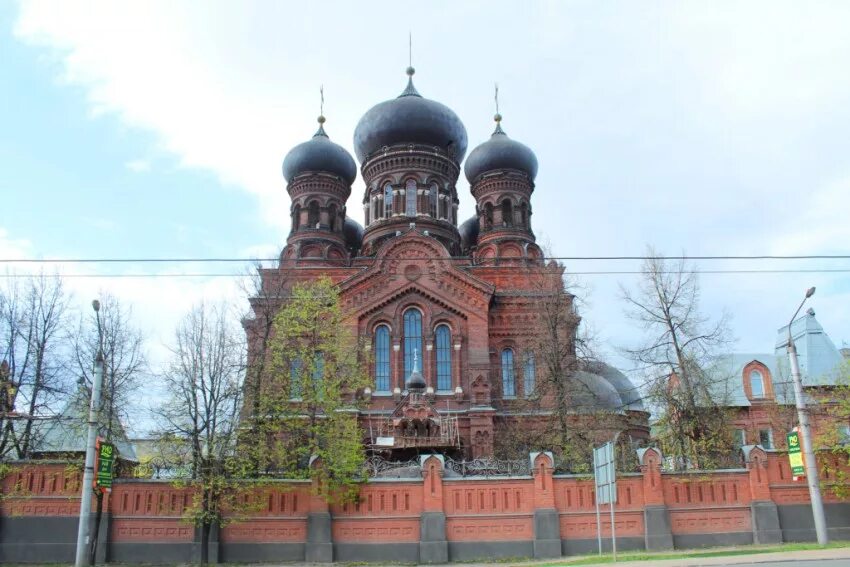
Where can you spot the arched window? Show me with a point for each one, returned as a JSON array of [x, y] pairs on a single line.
[[295, 379], [332, 218], [296, 217], [507, 213], [529, 375], [757, 384], [313, 214], [444, 358], [488, 216], [410, 197], [412, 339], [382, 359], [508, 379], [434, 197], [318, 373], [388, 200], [524, 214]]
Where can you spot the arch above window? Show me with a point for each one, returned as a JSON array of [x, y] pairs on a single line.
[[757, 381]]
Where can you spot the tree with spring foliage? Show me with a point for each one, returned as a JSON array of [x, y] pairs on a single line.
[[675, 355], [204, 383], [309, 411]]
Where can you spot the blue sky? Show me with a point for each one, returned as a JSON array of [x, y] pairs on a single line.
[[156, 129]]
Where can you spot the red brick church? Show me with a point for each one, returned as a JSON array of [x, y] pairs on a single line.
[[444, 308]]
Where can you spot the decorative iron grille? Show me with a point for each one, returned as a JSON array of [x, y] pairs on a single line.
[[489, 467]]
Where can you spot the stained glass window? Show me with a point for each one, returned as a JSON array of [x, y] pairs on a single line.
[[444, 358], [412, 338], [382, 359]]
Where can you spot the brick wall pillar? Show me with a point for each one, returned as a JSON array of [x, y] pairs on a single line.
[[765, 515], [319, 547], [433, 546], [656, 518], [547, 528]]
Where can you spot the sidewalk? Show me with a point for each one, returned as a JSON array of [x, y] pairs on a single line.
[[744, 558]]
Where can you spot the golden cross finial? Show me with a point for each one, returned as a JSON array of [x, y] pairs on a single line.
[[322, 99], [497, 97]]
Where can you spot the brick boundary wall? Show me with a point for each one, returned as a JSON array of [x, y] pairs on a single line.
[[432, 519]]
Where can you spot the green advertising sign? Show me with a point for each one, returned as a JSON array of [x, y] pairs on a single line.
[[105, 464], [795, 454]]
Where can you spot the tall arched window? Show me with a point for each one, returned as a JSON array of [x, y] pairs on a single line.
[[318, 373], [412, 339], [433, 196], [296, 217], [444, 358], [488, 216], [410, 197], [524, 214], [507, 213], [757, 384], [508, 379], [388, 200], [382, 359], [295, 379], [332, 218], [528, 375], [313, 214]]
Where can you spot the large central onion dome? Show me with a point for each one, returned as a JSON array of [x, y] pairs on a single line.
[[319, 154], [500, 152], [410, 118]]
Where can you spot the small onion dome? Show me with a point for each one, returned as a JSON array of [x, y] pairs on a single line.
[[319, 154], [353, 233], [415, 382], [500, 152], [469, 232], [410, 118]]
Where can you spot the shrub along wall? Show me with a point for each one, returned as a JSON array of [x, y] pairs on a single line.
[[428, 519]]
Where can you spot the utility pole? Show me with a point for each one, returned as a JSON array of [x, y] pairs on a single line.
[[806, 434], [88, 471]]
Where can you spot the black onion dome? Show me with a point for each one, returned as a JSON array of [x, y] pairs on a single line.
[[320, 154], [469, 232], [500, 152], [353, 233], [410, 118]]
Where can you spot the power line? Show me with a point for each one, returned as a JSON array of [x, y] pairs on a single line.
[[572, 273], [390, 257]]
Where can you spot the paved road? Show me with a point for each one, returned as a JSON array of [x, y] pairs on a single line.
[[798, 563]]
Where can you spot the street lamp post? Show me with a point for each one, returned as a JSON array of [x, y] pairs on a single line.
[[88, 471], [806, 433]]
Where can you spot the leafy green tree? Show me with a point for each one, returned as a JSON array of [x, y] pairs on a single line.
[[832, 415], [204, 381], [309, 411]]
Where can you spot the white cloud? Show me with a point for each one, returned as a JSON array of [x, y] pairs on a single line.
[[138, 165], [691, 126]]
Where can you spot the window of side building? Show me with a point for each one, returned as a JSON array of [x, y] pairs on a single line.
[[766, 438], [757, 383], [529, 378]]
